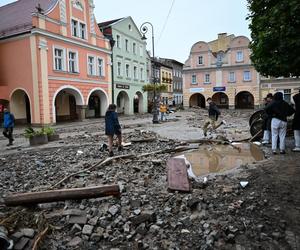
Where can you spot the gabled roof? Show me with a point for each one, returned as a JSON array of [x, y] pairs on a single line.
[[16, 17], [109, 23]]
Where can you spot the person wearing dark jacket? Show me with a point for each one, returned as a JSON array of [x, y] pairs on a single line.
[[213, 115], [8, 126], [279, 110], [296, 122], [267, 122], [112, 127]]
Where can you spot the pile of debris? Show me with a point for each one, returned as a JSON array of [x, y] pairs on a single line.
[[144, 213]]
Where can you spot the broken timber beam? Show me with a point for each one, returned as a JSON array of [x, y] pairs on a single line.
[[24, 199]]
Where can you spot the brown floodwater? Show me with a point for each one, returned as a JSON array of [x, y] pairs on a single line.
[[220, 158]]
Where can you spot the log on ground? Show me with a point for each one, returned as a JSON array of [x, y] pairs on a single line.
[[25, 199]]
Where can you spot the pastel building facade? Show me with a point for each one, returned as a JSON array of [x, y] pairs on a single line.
[[130, 65], [221, 69], [54, 63]]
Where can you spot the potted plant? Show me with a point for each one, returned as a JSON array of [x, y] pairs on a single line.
[[51, 133], [36, 137]]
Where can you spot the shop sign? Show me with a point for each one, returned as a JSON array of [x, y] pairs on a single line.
[[122, 86], [217, 89], [196, 90]]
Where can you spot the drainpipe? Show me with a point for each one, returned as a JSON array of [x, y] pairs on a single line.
[[112, 44]]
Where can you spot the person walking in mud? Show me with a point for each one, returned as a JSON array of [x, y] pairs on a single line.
[[8, 126], [213, 115], [267, 122], [296, 122], [112, 127], [279, 110]]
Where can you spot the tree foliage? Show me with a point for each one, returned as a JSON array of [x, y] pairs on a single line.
[[275, 33], [161, 88]]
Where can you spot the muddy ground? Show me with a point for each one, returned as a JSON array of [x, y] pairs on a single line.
[[219, 214]]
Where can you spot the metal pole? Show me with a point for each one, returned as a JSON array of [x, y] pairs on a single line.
[[144, 30]]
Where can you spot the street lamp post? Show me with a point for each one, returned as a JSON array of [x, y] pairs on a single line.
[[144, 30], [112, 44]]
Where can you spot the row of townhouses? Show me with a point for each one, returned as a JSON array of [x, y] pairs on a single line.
[[58, 64], [222, 69]]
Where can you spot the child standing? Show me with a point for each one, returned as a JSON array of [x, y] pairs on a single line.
[[112, 127], [279, 110]]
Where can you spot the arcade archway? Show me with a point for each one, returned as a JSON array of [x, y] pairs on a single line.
[[68, 103], [244, 100], [138, 103], [97, 104], [123, 103], [20, 106], [221, 99], [197, 99]]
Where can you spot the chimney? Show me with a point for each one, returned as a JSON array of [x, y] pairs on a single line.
[[222, 35]]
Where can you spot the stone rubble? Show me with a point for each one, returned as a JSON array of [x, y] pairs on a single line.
[[218, 215]]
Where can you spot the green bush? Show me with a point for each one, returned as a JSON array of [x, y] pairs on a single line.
[[48, 131]]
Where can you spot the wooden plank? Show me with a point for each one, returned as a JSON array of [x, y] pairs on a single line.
[[23, 199], [177, 175]]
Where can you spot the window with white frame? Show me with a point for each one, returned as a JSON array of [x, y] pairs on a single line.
[[247, 75], [73, 62], [200, 60], [127, 70], [119, 68], [135, 72], [194, 79], [91, 66], [142, 73], [74, 24], [118, 41], [141, 51], [78, 29], [126, 45], [207, 78], [100, 67], [134, 48], [231, 76], [239, 56], [59, 59], [82, 30]]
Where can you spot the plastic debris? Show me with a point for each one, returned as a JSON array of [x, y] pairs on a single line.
[[244, 184], [79, 152]]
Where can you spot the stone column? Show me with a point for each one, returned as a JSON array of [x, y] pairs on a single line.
[[80, 110], [44, 81]]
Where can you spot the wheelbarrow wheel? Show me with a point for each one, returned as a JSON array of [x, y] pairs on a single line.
[[258, 115], [256, 129]]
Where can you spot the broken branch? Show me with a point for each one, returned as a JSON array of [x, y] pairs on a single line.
[[39, 238], [98, 164]]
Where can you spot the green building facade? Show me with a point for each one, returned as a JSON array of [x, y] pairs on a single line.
[[129, 65]]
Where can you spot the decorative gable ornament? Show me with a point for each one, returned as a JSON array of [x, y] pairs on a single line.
[[77, 4]]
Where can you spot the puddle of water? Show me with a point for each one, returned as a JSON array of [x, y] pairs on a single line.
[[220, 158]]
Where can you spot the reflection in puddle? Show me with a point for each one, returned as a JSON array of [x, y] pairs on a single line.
[[220, 158]]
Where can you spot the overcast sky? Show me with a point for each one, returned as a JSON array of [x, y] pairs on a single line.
[[189, 20]]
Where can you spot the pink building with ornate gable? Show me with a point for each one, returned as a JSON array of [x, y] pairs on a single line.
[[54, 61], [221, 69]]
